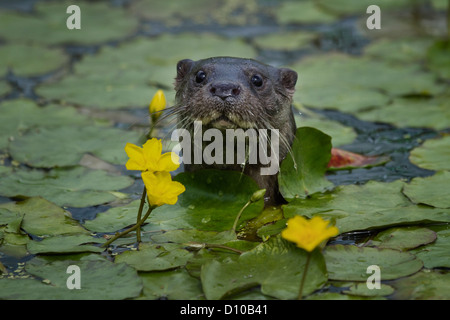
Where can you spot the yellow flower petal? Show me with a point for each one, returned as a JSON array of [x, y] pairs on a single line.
[[161, 189], [166, 162], [308, 234], [137, 160]]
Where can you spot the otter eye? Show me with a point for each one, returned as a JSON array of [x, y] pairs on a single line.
[[201, 75], [257, 81]]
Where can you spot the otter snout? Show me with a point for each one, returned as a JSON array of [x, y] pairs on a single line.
[[225, 90]]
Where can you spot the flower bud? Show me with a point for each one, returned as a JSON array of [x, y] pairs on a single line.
[[258, 195], [157, 105]]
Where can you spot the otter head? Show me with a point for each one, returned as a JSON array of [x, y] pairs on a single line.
[[230, 93]]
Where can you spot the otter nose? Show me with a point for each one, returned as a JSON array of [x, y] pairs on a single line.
[[225, 89]]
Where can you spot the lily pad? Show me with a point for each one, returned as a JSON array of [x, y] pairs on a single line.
[[30, 60], [43, 218], [351, 84], [403, 238], [432, 190], [286, 262], [433, 154], [74, 187], [435, 255], [361, 289], [302, 172], [151, 257], [187, 236], [116, 218], [412, 112], [4, 88], [47, 24], [168, 284], [302, 12], [399, 50], [286, 41], [350, 263], [370, 206], [20, 115], [211, 202], [424, 285], [438, 59], [65, 146], [110, 80], [359, 7], [65, 244]]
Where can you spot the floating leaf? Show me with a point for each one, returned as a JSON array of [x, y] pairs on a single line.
[[431, 190], [435, 255], [211, 202], [65, 146], [433, 154], [65, 244], [341, 159], [424, 285], [361, 289], [369, 206], [186, 236], [287, 41], [151, 257], [421, 113], [350, 263], [351, 7], [399, 50], [20, 115], [403, 238], [171, 285], [302, 12], [30, 60], [4, 88], [74, 187], [286, 262], [43, 218], [47, 24], [438, 59], [305, 174]]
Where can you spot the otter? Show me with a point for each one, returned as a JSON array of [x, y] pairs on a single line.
[[236, 93]]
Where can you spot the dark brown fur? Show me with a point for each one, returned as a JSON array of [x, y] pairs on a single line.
[[229, 96]]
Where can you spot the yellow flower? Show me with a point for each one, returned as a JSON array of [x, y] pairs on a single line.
[[161, 189], [149, 157], [308, 234], [157, 105]]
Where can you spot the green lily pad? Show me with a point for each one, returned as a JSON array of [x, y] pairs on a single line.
[[96, 276], [65, 244], [151, 257], [74, 187], [403, 238], [172, 285], [350, 263], [359, 7], [47, 24], [399, 50], [361, 289], [438, 59], [287, 41], [351, 84], [65, 146], [302, 12], [110, 80], [435, 255], [302, 172], [285, 262], [340, 134], [424, 285], [412, 112], [369, 206], [20, 115], [4, 88], [186, 236], [115, 218], [30, 60], [43, 218], [433, 154], [211, 202], [431, 190]]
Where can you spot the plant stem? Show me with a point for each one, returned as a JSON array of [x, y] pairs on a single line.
[[239, 216], [137, 225], [219, 246], [300, 294], [141, 206]]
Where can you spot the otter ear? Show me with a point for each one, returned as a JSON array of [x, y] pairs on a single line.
[[288, 78], [183, 68]]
